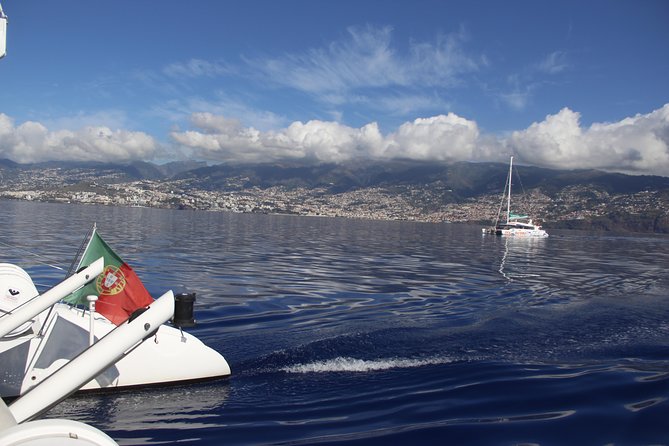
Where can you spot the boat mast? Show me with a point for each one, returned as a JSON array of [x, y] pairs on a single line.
[[508, 197]]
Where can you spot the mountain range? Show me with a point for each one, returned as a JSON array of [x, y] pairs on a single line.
[[466, 179]]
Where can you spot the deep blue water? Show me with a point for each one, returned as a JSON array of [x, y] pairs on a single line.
[[363, 332]]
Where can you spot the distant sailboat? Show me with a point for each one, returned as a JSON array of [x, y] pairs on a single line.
[[516, 225]]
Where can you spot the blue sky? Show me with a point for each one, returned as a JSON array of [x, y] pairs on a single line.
[[570, 84]]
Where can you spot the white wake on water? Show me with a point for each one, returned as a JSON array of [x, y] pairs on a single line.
[[346, 364]]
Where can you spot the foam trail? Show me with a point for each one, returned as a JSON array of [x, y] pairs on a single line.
[[346, 364]]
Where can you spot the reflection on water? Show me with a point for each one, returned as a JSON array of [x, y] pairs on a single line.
[[520, 253], [149, 413]]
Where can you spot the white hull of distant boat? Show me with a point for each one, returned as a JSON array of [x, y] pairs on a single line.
[[515, 225], [517, 229], [524, 231], [37, 343]]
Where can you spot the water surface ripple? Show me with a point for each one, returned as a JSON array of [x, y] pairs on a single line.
[[361, 332]]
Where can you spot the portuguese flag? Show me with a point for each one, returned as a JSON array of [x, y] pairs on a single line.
[[119, 290]]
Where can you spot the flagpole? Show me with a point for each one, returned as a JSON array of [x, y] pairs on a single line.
[[69, 273], [87, 241]]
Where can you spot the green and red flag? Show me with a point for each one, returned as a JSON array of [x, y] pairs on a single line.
[[119, 290]]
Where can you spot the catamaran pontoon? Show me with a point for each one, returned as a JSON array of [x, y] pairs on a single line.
[[41, 333], [17, 427]]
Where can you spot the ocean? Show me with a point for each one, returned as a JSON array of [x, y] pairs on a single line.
[[344, 331]]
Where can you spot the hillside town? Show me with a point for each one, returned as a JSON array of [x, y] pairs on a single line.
[[398, 202]]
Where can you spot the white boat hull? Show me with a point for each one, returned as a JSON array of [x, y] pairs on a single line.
[[515, 232], [122, 340], [16, 427], [26, 358]]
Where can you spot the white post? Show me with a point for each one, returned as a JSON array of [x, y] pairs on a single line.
[[91, 306]]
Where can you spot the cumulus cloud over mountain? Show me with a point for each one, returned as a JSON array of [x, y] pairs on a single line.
[[444, 138], [33, 142], [637, 145], [222, 139]]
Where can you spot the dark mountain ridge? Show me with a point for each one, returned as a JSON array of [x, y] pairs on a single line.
[[136, 170], [464, 179]]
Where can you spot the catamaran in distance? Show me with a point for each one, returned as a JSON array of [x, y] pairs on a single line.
[[515, 225]]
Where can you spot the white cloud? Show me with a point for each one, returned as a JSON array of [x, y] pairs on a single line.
[[554, 63], [198, 68], [112, 118], [522, 86], [367, 60], [444, 137], [638, 144], [364, 69], [32, 142], [517, 100], [223, 139], [362, 73], [182, 109], [407, 104], [364, 59]]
